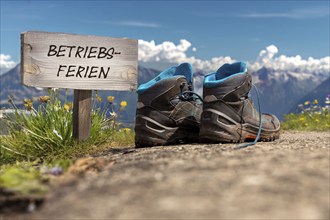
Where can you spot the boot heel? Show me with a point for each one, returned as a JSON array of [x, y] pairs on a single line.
[[218, 127], [148, 132]]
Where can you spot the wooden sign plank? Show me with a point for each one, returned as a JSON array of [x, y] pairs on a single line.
[[57, 60]]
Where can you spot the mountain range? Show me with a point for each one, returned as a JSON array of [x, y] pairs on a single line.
[[280, 91], [319, 94]]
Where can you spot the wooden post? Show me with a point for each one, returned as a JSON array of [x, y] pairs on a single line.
[[80, 62], [82, 114]]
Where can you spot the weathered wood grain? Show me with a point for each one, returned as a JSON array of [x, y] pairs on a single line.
[[82, 114]]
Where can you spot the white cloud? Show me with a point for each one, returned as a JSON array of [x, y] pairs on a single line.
[[296, 63], [6, 63], [168, 52], [137, 24], [265, 57], [140, 24], [302, 13]]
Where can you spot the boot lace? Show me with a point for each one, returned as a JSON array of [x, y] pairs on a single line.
[[189, 95], [260, 124]]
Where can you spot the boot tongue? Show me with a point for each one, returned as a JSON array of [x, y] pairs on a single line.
[[235, 81], [228, 70], [184, 69]]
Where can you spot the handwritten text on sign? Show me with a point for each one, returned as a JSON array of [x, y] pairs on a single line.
[[78, 62]]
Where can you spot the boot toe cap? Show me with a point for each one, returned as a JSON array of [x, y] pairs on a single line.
[[270, 121]]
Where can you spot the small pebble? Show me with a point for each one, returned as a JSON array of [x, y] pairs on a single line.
[[31, 207], [159, 176], [56, 171]]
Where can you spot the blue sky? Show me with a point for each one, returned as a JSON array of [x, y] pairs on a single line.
[[238, 29]]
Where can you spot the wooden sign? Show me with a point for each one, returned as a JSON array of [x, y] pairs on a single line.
[[82, 63], [57, 60]]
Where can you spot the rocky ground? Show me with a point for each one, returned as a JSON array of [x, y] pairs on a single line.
[[284, 179]]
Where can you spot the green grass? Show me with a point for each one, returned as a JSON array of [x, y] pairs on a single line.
[[23, 178], [46, 133], [42, 138], [313, 117]]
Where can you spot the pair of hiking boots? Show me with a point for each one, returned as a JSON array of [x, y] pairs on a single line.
[[170, 112]]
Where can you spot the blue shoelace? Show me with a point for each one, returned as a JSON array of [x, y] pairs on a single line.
[[260, 125]]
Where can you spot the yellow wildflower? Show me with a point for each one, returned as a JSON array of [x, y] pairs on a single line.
[[68, 106], [43, 99], [99, 98], [315, 102], [302, 119], [28, 103], [317, 120], [111, 99], [307, 103], [125, 130], [123, 104]]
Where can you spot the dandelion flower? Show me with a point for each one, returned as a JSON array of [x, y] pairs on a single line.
[[28, 103], [99, 98], [68, 106], [126, 130], [315, 102], [111, 99], [302, 119], [123, 104], [43, 99]]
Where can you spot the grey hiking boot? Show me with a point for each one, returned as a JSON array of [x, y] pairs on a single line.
[[168, 111], [228, 113]]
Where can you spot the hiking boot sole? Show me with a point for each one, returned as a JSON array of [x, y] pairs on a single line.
[[149, 132]]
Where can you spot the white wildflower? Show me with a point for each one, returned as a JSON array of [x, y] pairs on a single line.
[[57, 134]]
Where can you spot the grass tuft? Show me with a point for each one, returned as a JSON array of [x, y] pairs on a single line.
[[312, 117], [22, 178], [40, 142], [45, 133]]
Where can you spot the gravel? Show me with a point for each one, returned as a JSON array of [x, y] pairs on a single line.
[[284, 179]]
